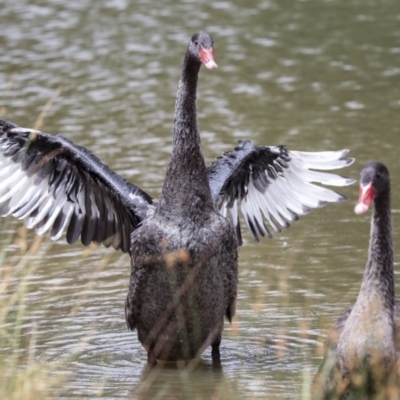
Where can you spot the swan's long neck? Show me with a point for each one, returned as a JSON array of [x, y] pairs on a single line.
[[369, 332], [186, 190], [378, 276]]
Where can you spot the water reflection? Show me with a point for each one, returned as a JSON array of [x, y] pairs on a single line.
[[167, 381]]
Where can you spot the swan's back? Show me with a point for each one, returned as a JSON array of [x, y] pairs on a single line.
[[183, 282]]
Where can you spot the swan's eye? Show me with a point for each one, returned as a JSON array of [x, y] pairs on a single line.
[[196, 43]]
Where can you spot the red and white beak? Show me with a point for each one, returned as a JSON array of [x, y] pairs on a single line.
[[365, 197], [207, 58]]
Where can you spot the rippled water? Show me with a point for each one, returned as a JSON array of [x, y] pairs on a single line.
[[313, 75]]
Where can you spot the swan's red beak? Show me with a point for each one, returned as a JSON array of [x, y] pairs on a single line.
[[365, 197], [207, 58]]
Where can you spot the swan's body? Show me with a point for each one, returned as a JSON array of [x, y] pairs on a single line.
[[361, 349], [183, 250]]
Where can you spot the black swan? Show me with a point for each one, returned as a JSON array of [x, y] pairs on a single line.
[[361, 349], [183, 248]]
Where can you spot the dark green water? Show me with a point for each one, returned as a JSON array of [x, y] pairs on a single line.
[[313, 75]]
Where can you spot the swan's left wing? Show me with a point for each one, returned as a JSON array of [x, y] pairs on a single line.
[[57, 186], [274, 185]]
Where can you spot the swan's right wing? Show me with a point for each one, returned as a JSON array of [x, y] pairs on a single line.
[[58, 186], [272, 185]]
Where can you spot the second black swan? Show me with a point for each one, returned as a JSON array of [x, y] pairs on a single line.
[[183, 248], [362, 347]]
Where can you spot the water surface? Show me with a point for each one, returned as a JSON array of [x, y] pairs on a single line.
[[313, 75]]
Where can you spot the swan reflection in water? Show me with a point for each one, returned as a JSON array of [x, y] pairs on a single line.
[[201, 378]]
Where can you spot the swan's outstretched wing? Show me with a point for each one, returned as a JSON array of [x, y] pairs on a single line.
[[58, 186], [273, 184]]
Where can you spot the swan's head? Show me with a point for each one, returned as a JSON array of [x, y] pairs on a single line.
[[374, 181], [201, 48]]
